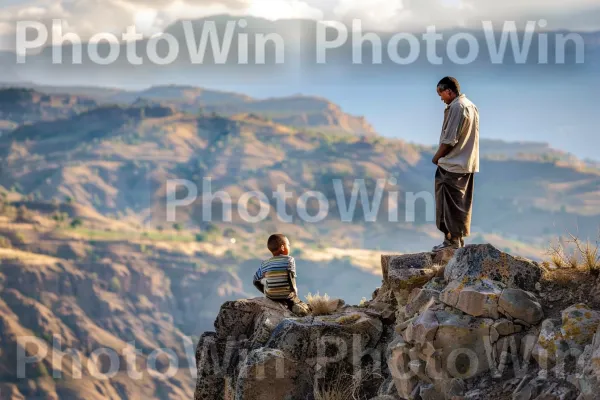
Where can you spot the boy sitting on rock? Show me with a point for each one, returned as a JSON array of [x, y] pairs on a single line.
[[276, 277]]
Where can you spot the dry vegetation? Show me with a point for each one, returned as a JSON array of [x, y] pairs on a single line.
[[344, 386], [321, 304], [571, 274], [575, 253]]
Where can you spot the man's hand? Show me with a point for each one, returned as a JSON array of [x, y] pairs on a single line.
[[443, 151]]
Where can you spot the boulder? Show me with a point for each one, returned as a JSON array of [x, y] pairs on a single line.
[[270, 374], [478, 298], [568, 336], [579, 323], [409, 271], [463, 343], [419, 299], [240, 318], [316, 340], [522, 305], [423, 328], [437, 346], [478, 262]]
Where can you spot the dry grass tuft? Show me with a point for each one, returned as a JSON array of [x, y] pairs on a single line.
[[589, 254], [321, 305], [573, 260], [585, 255], [342, 387], [334, 393], [556, 253]]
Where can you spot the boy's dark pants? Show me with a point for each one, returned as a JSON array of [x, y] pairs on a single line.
[[297, 306]]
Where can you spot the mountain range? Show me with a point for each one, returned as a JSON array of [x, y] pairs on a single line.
[[535, 100], [89, 254]]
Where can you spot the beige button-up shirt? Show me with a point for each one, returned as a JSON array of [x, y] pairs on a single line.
[[461, 130]]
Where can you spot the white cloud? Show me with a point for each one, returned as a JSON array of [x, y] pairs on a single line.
[[283, 9], [418, 14], [381, 14], [87, 17]]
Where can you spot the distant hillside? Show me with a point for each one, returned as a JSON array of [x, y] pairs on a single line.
[[299, 111], [19, 106], [117, 160], [96, 283]]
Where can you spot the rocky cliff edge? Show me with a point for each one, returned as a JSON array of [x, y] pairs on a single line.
[[469, 324]]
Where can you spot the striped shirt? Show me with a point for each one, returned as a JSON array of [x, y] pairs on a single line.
[[278, 274], [461, 130]]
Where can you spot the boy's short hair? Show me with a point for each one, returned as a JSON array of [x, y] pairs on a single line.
[[275, 242]]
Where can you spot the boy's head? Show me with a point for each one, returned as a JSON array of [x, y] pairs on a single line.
[[278, 244]]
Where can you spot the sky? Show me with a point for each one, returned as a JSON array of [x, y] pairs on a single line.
[[87, 17]]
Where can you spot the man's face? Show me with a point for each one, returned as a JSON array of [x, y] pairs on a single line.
[[445, 95]]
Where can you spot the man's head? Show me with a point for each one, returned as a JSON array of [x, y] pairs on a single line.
[[448, 89], [278, 244]]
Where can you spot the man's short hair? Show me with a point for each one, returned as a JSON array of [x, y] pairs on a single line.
[[275, 242], [449, 83]]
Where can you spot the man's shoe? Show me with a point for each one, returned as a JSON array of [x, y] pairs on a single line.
[[452, 244], [462, 242]]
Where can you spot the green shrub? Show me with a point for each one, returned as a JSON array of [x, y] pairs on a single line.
[[77, 222], [115, 285], [5, 242], [20, 238]]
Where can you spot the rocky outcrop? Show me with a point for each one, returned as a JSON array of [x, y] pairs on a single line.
[[441, 326], [258, 339]]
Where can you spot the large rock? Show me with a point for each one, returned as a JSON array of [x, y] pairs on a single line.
[[566, 337], [419, 299], [519, 304], [440, 345], [240, 318], [315, 339], [463, 343], [270, 374], [478, 298], [409, 271], [478, 262]]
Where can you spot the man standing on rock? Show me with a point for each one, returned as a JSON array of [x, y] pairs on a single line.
[[457, 159]]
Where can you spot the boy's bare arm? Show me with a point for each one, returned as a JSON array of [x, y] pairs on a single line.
[[292, 276], [256, 281], [259, 286]]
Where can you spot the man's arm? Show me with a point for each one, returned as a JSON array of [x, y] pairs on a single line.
[[443, 151], [451, 134]]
